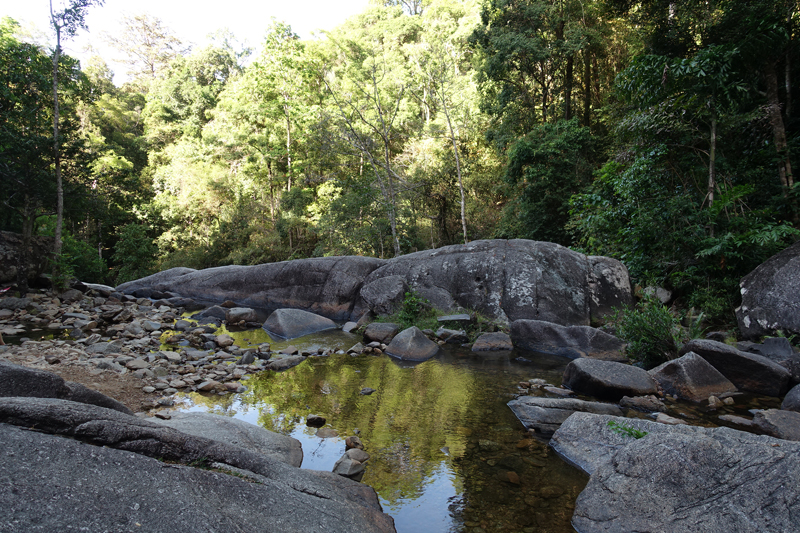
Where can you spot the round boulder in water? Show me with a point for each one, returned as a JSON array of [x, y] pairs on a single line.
[[293, 323], [412, 345]]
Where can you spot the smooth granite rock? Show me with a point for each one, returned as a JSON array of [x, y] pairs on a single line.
[[778, 423], [692, 378], [568, 341], [749, 372], [607, 380], [545, 415], [680, 479], [792, 400], [382, 332], [294, 323], [412, 345], [239, 433], [771, 296], [490, 342]]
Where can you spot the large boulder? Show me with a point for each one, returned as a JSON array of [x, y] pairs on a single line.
[[749, 372], [607, 380], [680, 479], [103, 495], [235, 315], [11, 253], [771, 296], [545, 415], [491, 342], [294, 323], [20, 381], [792, 400], [412, 345], [384, 296], [568, 341], [691, 378], [239, 433], [514, 279], [382, 332], [328, 286]]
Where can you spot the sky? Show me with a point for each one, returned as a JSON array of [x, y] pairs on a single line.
[[191, 20]]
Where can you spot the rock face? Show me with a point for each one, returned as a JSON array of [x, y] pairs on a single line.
[[792, 400], [691, 378], [103, 494], [749, 372], [238, 433], [545, 415], [607, 380], [569, 341], [515, 279], [680, 479], [771, 296], [328, 286], [507, 280], [294, 323], [11, 252], [19, 381], [412, 345]]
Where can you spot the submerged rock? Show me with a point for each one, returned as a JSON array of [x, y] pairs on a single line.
[[490, 342]]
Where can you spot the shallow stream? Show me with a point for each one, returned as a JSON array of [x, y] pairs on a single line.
[[447, 454]]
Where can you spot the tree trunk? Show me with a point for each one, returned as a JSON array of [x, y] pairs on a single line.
[[568, 89], [56, 149], [778, 128], [458, 167], [288, 148], [587, 89]]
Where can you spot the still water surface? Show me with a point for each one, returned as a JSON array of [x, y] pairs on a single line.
[[447, 454]]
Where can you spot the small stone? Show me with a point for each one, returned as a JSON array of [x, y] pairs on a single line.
[[558, 391], [714, 402], [353, 442], [551, 491], [666, 419], [326, 433], [357, 454], [513, 478], [366, 391], [224, 340], [137, 364], [728, 401], [148, 389], [207, 386]]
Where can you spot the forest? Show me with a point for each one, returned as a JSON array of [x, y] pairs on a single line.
[[656, 132]]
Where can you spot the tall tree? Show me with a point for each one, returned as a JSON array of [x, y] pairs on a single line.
[[67, 21]]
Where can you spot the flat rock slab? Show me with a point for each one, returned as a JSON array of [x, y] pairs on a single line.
[[771, 296], [294, 323], [567, 341], [412, 345], [239, 433], [692, 378], [779, 423], [607, 380], [680, 479], [749, 372], [490, 342], [545, 415], [16, 380], [95, 488]]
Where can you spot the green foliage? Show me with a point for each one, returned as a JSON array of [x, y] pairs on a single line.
[[415, 308], [651, 331], [626, 429], [62, 272], [134, 252]]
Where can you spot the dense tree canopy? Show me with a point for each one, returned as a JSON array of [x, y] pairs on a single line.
[[660, 133]]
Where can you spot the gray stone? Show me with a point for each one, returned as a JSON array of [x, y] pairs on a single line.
[[357, 348], [567, 341], [662, 295], [680, 479], [793, 366], [452, 336], [237, 314], [748, 372], [737, 420], [315, 421], [150, 325], [545, 415], [357, 454], [492, 342], [664, 418], [349, 327], [792, 400], [224, 340], [71, 296], [14, 303], [172, 357], [607, 379], [775, 348], [103, 494], [385, 295], [248, 358], [412, 345], [692, 378], [137, 364], [778, 423], [648, 404], [285, 363], [37, 259], [382, 332], [239, 433], [771, 296], [462, 319], [294, 323], [347, 467]]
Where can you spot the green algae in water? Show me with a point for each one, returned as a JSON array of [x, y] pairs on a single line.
[[447, 454]]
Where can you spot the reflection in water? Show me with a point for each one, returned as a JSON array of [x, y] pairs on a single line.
[[446, 452]]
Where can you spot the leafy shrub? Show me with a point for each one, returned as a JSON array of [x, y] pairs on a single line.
[[626, 429], [414, 308], [135, 253], [651, 331]]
